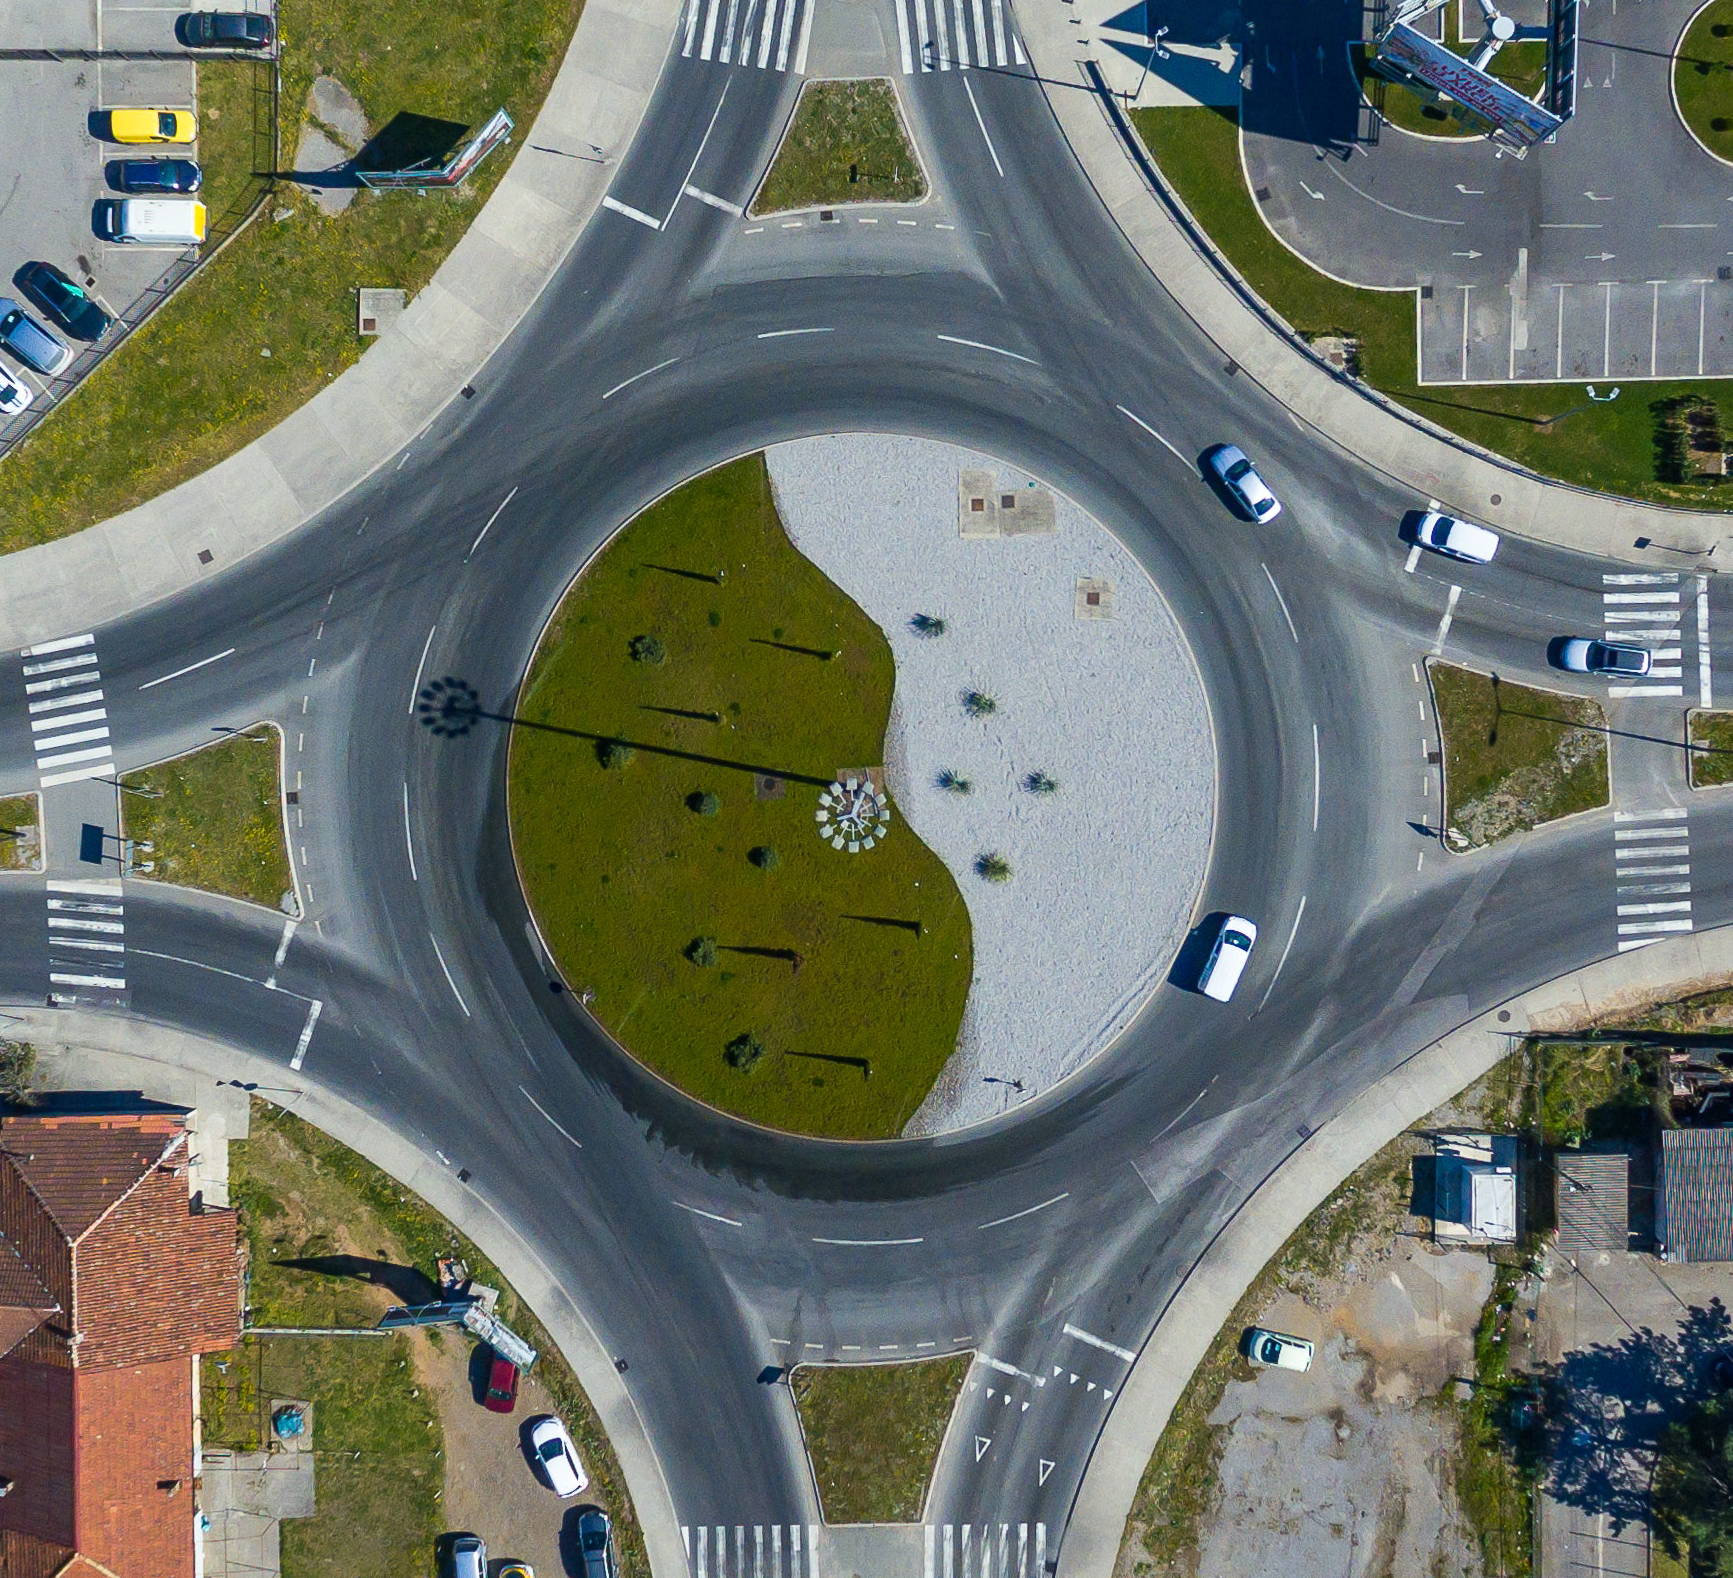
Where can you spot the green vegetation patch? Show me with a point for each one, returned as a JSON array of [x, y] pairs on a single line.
[[303, 1196], [1712, 753], [847, 143], [1608, 445], [1515, 757], [805, 988], [271, 320], [1703, 78], [214, 818], [873, 1433], [20, 833]]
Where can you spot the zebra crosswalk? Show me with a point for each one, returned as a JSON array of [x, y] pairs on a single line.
[[986, 1550], [763, 34], [86, 939], [1645, 609], [1652, 860], [790, 1550], [68, 717], [946, 35]]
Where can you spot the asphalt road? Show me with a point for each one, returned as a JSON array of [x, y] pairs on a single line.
[[702, 1250]]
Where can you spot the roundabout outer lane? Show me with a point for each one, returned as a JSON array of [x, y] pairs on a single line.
[[702, 1250]]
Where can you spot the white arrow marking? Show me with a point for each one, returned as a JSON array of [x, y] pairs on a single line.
[[1319, 196], [1593, 199], [1599, 257], [1471, 191], [1465, 254], [981, 1445], [1045, 1469]]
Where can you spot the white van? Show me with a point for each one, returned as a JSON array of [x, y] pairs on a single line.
[[1226, 963], [157, 221]]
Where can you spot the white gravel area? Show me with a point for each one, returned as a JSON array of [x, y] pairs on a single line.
[[1106, 869]]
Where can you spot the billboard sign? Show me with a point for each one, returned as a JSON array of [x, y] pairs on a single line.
[[1561, 60], [455, 169], [1407, 55]]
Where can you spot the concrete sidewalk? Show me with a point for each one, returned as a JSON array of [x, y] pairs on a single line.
[[1403, 446], [362, 418], [98, 1051], [1308, 1175]]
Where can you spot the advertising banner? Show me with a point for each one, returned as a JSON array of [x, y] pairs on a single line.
[[1404, 53], [456, 168]]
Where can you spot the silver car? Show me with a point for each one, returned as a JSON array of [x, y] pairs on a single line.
[[1236, 473], [38, 348], [1582, 656]]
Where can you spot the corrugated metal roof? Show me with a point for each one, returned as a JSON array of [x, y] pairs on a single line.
[[1592, 1195], [1697, 1194]]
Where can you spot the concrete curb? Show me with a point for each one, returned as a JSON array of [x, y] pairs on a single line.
[[1355, 418], [129, 1054], [351, 427], [1306, 1176]]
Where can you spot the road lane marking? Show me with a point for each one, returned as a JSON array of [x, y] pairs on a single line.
[[1153, 434], [313, 1011], [1444, 623], [281, 954], [977, 345], [64, 644], [1705, 654], [1282, 602], [1099, 1342], [994, 152], [1293, 932], [415, 689], [631, 213], [1318, 775], [711, 1216], [627, 383], [1413, 559], [553, 1120], [215, 657], [1000, 1221], [57, 703], [448, 977], [39, 725], [868, 1243], [783, 334], [714, 201], [487, 528], [408, 842]]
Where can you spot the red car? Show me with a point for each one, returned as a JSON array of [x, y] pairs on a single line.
[[501, 1395]]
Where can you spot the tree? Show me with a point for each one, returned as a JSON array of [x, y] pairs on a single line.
[[614, 753], [927, 625], [993, 867], [646, 649], [1693, 1489], [17, 1072], [955, 782], [743, 1052], [702, 951], [978, 705], [764, 856], [701, 802]]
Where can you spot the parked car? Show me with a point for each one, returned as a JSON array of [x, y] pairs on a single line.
[[1456, 539], [15, 394], [557, 1457], [1239, 476], [596, 1544], [501, 1394], [466, 1556], [40, 349], [67, 303], [1226, 963], [152, 126], [225, 30], [1612, 658], [160, 176], [1278, 1350]]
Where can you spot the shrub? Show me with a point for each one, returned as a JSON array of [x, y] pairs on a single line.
[[743, 1051], [764, 856], [978, 705], [646, 649], [702, 951], [614, 753], [1720, 123], [17, 1072], [927, 625], [1039, 783], [994, 867], [701, 802], [955, 782]]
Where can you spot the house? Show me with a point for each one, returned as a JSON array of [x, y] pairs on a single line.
[[1592, 1204], [1474, 1188], [1695, 1211], [113, 1280]]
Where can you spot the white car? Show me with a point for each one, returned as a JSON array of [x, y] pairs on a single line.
[[15, 394], [1278, 1350], [557, 1457], [1456, 539], [1582, 656], [1240, 477], [1226, 963]]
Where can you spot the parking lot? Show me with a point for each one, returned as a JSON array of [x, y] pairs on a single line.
[[58, 165]]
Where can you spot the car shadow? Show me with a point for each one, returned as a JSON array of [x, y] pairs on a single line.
[[571, 1546], [1225, 496], [1555, 651], [1194, 952], [480, 1367], [527, 1447]]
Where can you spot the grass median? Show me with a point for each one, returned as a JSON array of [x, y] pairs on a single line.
[[873, 1432], [1515, 757], [1712, 754], [214, 819], [1611, 445], [847, 143], [698, 688], [20, 833], [271, 320], [1703, 78]]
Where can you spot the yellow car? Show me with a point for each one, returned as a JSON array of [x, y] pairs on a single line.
[[152, 126], [516, 1570]]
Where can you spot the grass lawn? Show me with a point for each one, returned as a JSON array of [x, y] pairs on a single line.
[[1515, 757], [194, 384], [1703, 78], [20, 833], [846, 144], [1610, 446], [653, 896], [1713, 730], [1403, 109], [302, 1195], [215, 818], [873, 1433]]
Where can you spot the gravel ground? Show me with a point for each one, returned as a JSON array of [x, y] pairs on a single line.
[[1106, 869]]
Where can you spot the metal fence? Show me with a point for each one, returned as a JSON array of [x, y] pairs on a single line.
[[222, 228]]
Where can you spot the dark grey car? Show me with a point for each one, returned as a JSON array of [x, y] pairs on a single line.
[[596, 1545]]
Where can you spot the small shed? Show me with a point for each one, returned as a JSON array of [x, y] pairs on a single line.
[[1696, 1197], [1474, 1188], [1592, 1201]]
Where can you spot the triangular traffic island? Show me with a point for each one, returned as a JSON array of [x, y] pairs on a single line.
[[847, 142]]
